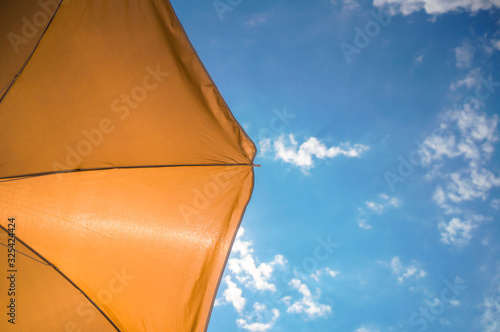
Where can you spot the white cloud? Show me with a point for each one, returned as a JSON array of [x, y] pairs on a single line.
[[439, 195], [332, 273], [467, 134], [496, 44], [364, 328], [399, 6], [383, 203], [490, 319], [444, 321], [470, 184], [254, 321], [495, 203], [258, 19], [308, 305], [412, 271], [265, 145], [469, 81], [474, 125], [243, 270], [326, 271], [363, 223], [287, 300], [434, 7], [288, 149], [242, 266], [247, 271], [376, 206], [464, 55], [347, 5], [232, 295], [436, 147], [350, 5], [457, 232], [470, 135]]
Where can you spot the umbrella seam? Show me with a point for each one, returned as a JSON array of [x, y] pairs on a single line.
[[65, 277], [22, 253], [11, 83], [32, 175]]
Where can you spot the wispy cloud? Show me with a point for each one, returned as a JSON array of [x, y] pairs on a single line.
[[459, 159], [257, 19], [495, 203], [247, 278], [434, 7], [445, 322], [495, 43], [464, 55], [490, 318], [470, 80], [364, 328], [232, 294], [468, 134], [458, 232], [303, 155], [378, 205], [471, 184], [326, 271], [471, 134], [402, 272], [247, 271], [420, 56], [309, 304], [347, 5], [350, 5], [419, 59], [253, 321]]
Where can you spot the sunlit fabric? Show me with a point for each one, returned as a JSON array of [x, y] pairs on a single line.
[[124, 169]]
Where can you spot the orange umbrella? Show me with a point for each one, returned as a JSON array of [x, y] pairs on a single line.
[[123, 174]]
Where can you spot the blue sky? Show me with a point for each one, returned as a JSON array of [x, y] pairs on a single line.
[[376, 207]]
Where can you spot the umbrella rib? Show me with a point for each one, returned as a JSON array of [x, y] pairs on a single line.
[[32, 175], [22, 253], [65, 277], [11, 83]]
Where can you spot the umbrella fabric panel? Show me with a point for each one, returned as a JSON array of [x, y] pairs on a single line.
[[44, 300], [147, 246], [114, 84], [22, 23]]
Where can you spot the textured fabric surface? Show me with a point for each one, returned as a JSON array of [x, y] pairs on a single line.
[[124, 169]]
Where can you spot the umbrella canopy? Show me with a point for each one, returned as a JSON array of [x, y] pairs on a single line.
[[123, 173]]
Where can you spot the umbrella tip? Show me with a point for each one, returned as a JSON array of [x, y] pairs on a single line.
[[256, 165]]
